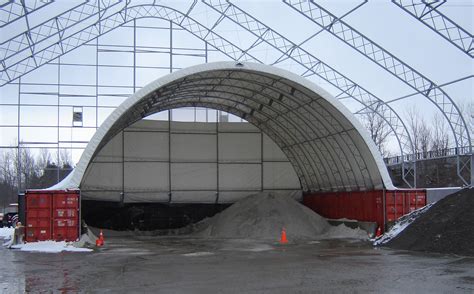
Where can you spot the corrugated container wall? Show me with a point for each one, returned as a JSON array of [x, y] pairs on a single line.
[[378, 206], [52, 215]]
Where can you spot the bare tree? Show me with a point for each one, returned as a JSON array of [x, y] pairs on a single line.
[[44, 158], [65, 158], [440, 139], [8, 177], [467, 111], [419, 130], [379, 131], [27, 167], [8, 168]]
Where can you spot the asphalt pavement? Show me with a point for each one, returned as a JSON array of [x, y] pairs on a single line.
[[186, 265]]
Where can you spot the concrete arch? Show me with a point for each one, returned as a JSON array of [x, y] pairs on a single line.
[[327, 146]]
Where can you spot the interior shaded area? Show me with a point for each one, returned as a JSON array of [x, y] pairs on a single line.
[[145, 216]]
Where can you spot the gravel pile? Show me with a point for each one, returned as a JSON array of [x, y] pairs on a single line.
[[262, 216], [447, 227]]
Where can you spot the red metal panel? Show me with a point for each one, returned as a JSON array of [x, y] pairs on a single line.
[[66, 216], [52, 215], [366, 205], [358, 205], [38, 217]]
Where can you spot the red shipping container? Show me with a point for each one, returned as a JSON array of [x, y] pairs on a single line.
[[373, 206], [52, 215]]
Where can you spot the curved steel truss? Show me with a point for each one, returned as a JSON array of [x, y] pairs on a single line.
[[46, 42], [427, 12]]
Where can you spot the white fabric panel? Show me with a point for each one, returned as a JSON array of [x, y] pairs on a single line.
[[192, 127], [101, 195], [148, 125], [146, 176], [193, 197], [104, 176], [239, 176], [239, 147], [237, 127], [279, 175], [193, 147], [112, 151], [233, 196], [146, 197], [143, 146], [271, 151], [186, 176]]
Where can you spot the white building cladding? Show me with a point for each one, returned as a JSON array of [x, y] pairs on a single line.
[[327, 147], [185, 162]]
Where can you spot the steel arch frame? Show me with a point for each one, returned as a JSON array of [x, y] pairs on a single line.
[[171, 91], [126, 17], [206, 35], [430, 16], [395, 66], [290, 50]]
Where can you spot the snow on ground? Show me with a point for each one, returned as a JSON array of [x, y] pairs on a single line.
[[401, 225], [6, 233], [44, 246], [50, 247], [202, 253]]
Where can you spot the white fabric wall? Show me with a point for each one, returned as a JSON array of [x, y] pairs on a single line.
[[195, 163]]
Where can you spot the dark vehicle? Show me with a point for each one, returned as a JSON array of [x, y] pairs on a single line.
[[10, 216], [10, 219], [1, 220]]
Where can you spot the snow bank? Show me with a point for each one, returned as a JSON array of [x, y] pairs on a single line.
[[6, 233], [263, 216], [401, 225], [50, 247]]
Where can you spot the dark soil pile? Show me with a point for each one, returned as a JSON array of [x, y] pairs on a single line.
[[447, 227]]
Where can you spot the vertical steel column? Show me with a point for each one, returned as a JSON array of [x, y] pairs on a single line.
[[217, 156], [134, 55], [261, 161], [57, 126], [170, 118], [122, 195], [97, 83], [472, 169], [171, 46], [18, 164]]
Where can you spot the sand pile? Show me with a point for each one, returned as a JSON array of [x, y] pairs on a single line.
[[262, 216], [446, 227]]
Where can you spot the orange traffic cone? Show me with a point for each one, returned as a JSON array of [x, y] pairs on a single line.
[[100, 242], [101, 237], [379, 232], [283, 239]]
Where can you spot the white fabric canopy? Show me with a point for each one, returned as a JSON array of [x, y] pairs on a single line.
[[326, 146]]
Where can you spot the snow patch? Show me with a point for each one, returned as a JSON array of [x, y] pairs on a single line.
[[401, 225], [49, 247], [202, 253], [6, 233]]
